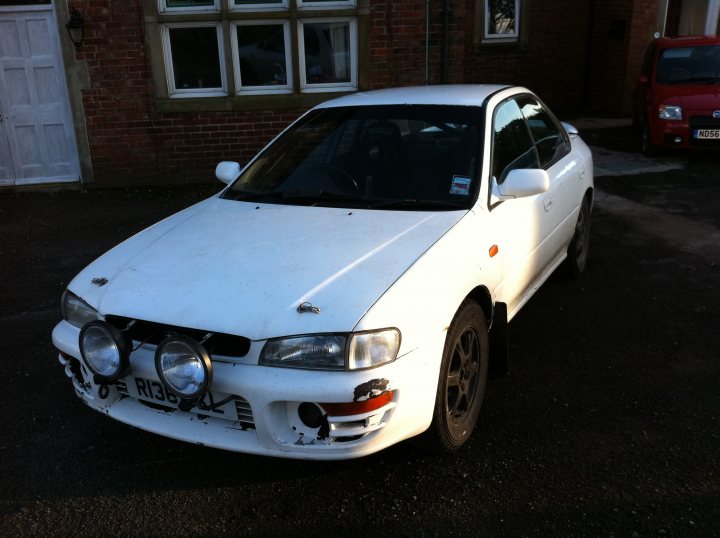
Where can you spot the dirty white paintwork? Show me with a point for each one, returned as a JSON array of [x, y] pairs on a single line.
[[204, 269], [243, 268]]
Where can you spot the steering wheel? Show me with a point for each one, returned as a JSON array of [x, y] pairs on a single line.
[[340, 179]]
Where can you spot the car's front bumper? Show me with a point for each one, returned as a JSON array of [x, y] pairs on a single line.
[[684, 133], [267, 400]]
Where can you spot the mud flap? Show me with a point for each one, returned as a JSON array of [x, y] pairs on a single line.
[[499, 343]]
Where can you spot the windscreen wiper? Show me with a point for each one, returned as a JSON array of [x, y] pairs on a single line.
[[316, 195], [409, 203], [250, 196]]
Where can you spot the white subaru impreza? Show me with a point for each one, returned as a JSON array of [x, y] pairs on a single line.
[[350, 287]]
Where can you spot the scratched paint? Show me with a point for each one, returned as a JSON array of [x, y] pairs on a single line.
[[370, 389]]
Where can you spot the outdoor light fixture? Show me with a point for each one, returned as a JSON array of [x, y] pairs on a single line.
[[76, 27]]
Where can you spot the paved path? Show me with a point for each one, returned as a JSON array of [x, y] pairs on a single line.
[[620, 163]]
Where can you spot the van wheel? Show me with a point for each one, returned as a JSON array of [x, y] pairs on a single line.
[[647, 148], [463, 376]]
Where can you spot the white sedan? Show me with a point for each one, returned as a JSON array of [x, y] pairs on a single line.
[[350, 287]]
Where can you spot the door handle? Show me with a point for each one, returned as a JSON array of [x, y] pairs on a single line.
[[548, 203]]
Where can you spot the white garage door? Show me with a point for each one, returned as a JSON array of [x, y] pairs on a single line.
[[37, 143]]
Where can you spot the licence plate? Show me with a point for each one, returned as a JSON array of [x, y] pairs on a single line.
[[705, 134], [212, 404]]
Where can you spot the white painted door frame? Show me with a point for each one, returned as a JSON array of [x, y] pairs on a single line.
[[37, 139]]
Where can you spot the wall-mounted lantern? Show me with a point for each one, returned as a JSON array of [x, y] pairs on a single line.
[[76, 27]]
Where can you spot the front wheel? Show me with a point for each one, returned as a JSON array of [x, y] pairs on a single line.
[[579, 249], [463, 376], [647, 148]]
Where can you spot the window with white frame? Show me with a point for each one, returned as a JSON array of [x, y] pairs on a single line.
[[328, 59], [264, 38], [194, 59], [261, 56], [189, 5], [501, 20]]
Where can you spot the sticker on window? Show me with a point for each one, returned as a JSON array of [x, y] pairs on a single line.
[[460, 185]]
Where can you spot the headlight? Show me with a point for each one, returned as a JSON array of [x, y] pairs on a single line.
[[319, 352], [373, 349], [76, 311], [670, 112], [333, 352], [184, 366], [105, 350]]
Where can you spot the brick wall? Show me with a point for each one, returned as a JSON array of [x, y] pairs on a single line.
[[551, 60], [130, 142], [618, 55], [643, 27]]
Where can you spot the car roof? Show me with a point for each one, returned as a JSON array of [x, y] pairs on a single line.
[[687, 41], [460, 94]]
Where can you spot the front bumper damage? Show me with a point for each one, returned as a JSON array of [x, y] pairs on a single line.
[[255, 409]]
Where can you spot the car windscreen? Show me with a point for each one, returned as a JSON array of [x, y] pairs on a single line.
[[408, 157], [689, 65]]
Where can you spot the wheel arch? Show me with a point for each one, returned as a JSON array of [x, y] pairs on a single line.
[[481, 295], [496, 317]]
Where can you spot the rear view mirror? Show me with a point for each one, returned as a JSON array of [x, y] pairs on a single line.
[[227, 171], [520, 183]]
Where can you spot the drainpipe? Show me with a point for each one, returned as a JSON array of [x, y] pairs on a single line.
[[446, 16], [589, 49], [427, 42]]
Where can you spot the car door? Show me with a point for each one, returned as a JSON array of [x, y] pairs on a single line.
[[531, 232], [555, 156], [517, 224]]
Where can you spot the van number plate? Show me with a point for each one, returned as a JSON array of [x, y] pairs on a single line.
[[705, 134]]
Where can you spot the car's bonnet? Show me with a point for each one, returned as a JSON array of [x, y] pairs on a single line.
[[244, 268]]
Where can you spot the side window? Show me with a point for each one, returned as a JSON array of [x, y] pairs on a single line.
[[549, 138], [512, 145]]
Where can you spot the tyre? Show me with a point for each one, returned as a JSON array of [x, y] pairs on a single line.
[[579, 248], [463, 376], [646, 146]]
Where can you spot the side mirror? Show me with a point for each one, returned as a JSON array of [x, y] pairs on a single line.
[[521, 183], [227, 171], [571, 129]]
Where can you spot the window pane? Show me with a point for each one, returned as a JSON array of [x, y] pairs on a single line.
[[327, 52], [195, 58], [512, 147], [549, 140], [257, 2], [261, 50], [501, 17], [689, 65], [415, 153], [189, 3]]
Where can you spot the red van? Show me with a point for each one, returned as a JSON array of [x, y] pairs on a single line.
[[677, 100]]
